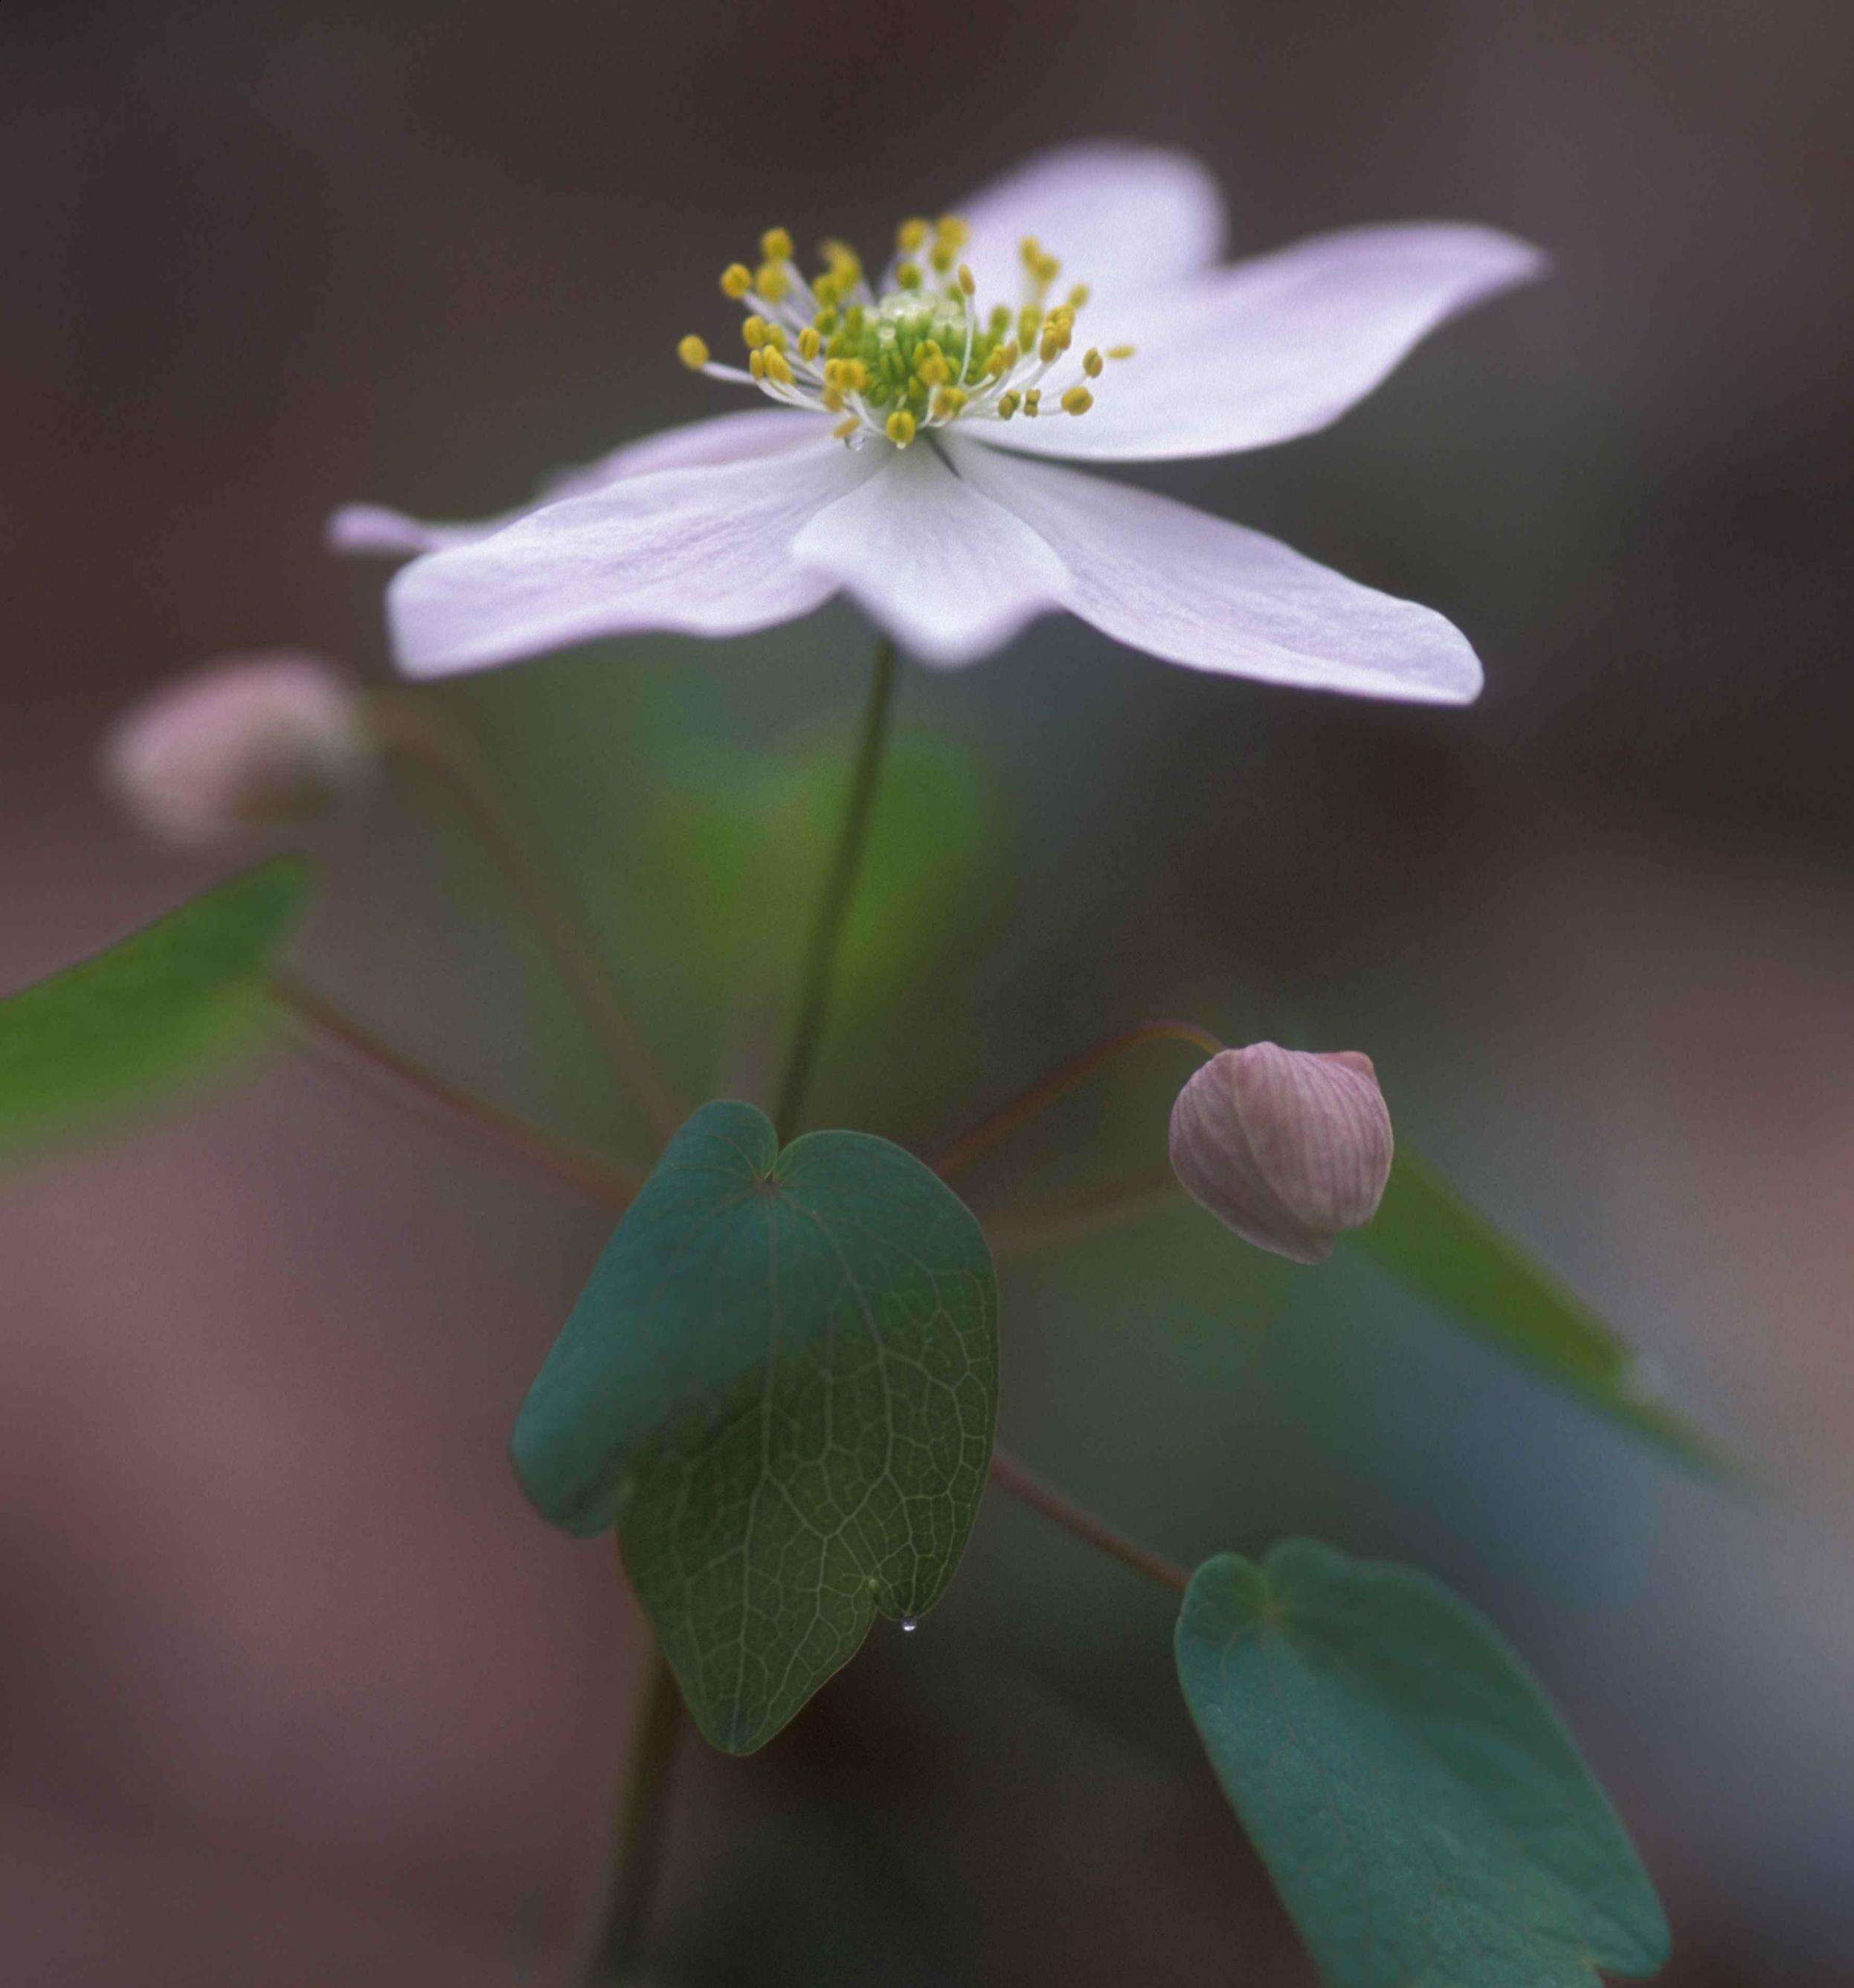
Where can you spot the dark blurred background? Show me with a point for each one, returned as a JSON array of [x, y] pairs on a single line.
[[294, 1689]]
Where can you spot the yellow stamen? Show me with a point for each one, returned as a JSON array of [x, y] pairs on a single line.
[[911, 236], [967, 282], [693, 353], [1033, 400], [1007, 405], [809, 342], [845, 429], [775, 245], [778, 367], [1077, 401], [1092, 363], [772, 281], [907, 275], [753, 332], [1078, 297], [736, 280], [948, 401], [756, 362], [900, 427], [1121, 351]]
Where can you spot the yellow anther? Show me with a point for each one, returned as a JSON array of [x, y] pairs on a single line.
[[855, 375], [809, 343], [693, 353], [911, 237], [1033, 400], [775, 337], [907, 275], [1051, 346], [772, 281], [845, 429], [1092, 363], [1121, 351], [900, 427], [1077, 401], [778, 366], [1002, 359], [756, 362], [832, 397], [953, 231], [843, 260], [736, 280], [1007, 405], [948, 401], [753, 332], [967, 282], [1031, 250], [775, 245], [1078, 296], [1029, 321], [826, 288]]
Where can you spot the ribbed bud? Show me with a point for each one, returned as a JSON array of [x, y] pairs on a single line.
[[1286, 1146], [242, 743]]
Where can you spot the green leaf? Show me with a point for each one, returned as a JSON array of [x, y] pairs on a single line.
[[176, 998], [780, 1382], [1430, 1239], [1426, 1817]]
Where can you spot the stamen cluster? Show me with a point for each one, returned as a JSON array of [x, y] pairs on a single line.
[[913, 352]]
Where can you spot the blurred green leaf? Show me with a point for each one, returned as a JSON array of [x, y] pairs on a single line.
[[780, 1382], [167, 1003], [1426, 1817], [744, 836], [1430, 1239]]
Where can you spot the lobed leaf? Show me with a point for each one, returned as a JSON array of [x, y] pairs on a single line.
[[780, 1383], [1426, 1817], [157, 1008]]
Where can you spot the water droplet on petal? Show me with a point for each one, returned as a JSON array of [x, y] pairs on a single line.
[[909, 1625]]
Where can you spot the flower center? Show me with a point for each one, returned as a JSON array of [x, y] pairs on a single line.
[[913, 352]]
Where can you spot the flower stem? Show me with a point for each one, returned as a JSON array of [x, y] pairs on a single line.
[[1038, 1097], [603, 1180], [840, 891], [407, 725], [656, 1724], [1010, 1475], [1046, 1225]]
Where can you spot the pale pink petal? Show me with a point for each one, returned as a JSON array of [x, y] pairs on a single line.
[[735, 438], [1195, 590], [1217, 1167], [950, 573], [1119, 218], [1286, 1147], [236, 744], [702, 551], [1270, 348], [1319, 1131]]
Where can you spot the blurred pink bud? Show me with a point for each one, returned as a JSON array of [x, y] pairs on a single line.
[[1286, 1146], [243, 742]]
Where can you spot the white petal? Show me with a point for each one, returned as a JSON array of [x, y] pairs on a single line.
[[1119, 218], [703, 551], [1271, 348], [1181, 584], [735, 438], [951, 575]]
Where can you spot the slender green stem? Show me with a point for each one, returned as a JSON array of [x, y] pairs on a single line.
[[410, 727], [840, 892], [657, 1720], [1037, 1098], [603, 1180], [1011, 1475]]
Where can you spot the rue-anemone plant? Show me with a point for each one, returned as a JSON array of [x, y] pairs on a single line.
[[778, 1390]]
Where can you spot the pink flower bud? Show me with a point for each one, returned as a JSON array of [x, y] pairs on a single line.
[[1286, 1146], [242, 743]]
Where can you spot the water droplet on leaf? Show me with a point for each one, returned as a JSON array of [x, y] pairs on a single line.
[[909, 1625]]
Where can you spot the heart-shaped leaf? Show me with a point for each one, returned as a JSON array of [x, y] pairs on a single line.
[[781, 1382], [153, 1010], [1431, 1240], [1426, 1817]]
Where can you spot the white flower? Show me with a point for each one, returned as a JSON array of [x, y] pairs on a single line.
[[905, 463], [240, 743]]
